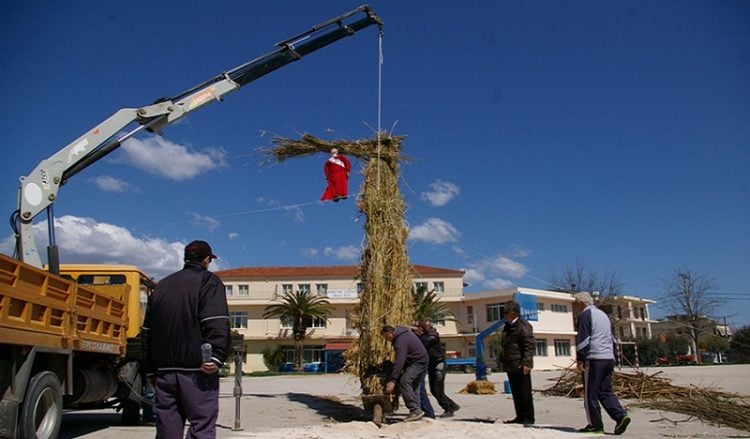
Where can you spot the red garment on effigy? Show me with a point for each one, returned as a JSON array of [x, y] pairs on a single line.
[[337, 173]]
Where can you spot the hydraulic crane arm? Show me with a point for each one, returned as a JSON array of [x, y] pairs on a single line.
[[38, 190]]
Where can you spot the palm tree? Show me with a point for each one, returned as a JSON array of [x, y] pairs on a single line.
[[427, 306], [301, 307]]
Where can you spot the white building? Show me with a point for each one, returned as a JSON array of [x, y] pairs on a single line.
[[251, 289]]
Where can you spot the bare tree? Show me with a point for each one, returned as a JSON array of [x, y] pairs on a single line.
[[691, 298], [575, 276]]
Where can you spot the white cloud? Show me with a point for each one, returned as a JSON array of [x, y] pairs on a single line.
[[440, 193], [347, 252], [309, 252], [233, 235], [159, 156], [293, 211], [434, 231], [108, 183], [85, 240], [496, 272], [205, 221], [472, 275], [498, 283]]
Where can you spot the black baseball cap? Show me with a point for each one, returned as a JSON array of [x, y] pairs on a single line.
[[198, 250]]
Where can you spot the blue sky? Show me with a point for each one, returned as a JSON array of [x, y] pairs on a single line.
[[615, 133]]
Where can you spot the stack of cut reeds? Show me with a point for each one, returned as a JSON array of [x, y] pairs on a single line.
[[656, 392]]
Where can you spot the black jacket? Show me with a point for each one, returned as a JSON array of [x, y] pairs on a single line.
[[431, 342], [518, 345], [187, 308]]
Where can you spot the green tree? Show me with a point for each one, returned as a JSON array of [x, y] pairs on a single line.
[[301, 307], [739, 346], [427, 306], [273, 357]]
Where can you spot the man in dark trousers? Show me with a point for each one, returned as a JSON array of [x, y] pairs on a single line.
[[409, 367], [436, 368], [187, 310], [595, 356], [518, 360]]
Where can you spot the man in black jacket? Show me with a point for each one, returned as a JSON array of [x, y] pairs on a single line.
[[518, 360], [436, 369], [409, 367], [187, 310]]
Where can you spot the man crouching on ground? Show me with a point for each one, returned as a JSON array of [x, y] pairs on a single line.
[[409, 367]]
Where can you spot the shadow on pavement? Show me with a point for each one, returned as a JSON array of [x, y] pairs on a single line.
[[331, 408], [77, 424]]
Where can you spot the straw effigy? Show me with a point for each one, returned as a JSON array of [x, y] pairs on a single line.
[[384, 268]]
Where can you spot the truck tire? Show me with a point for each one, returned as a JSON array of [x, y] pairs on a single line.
[[41, 413]]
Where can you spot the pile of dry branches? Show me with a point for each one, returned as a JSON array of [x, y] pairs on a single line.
[[384, 268], [658, 393]]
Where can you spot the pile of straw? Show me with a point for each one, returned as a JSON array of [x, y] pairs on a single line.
[[654, 392], [479, 388], [384, 268]]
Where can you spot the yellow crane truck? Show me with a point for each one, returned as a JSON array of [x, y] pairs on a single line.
[[68, 333]]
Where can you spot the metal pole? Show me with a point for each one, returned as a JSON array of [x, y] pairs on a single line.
[[237, 390]]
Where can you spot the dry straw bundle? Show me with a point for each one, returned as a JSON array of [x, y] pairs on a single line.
[[658, 393], [384, 269]]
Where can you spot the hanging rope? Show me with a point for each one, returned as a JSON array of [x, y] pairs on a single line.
[[380, 93]]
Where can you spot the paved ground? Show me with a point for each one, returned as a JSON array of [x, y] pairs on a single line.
[[272, 405]]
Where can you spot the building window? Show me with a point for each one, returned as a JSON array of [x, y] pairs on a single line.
[[303, 288], [360, 288], [318, 322], [643, 314], [540, 306], [310, 354], [540, 348], [321, 290], [470, 314], [494, 311], [418, 285], [287, 289], [228, 289], [556, 307], [619, 312], [439, 320], [238, 319], [287, 322], [243, 290], [439, 287], [562, 348]]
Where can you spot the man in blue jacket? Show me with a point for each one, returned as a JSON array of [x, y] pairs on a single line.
[[595, 356], [409, 367], [187, 310]]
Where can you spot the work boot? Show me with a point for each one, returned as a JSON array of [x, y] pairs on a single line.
[[414, 416]]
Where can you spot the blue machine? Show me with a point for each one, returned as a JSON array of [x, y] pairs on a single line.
[[528, 312]]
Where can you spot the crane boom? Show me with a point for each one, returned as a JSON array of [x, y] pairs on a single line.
[[38, 190]]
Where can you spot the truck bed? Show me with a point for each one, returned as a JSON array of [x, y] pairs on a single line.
[[38, 308]]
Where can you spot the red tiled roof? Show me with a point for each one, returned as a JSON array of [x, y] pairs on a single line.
[[338, 346], [348, 271]]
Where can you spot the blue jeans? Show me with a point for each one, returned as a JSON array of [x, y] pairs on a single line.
[[424, 400]]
